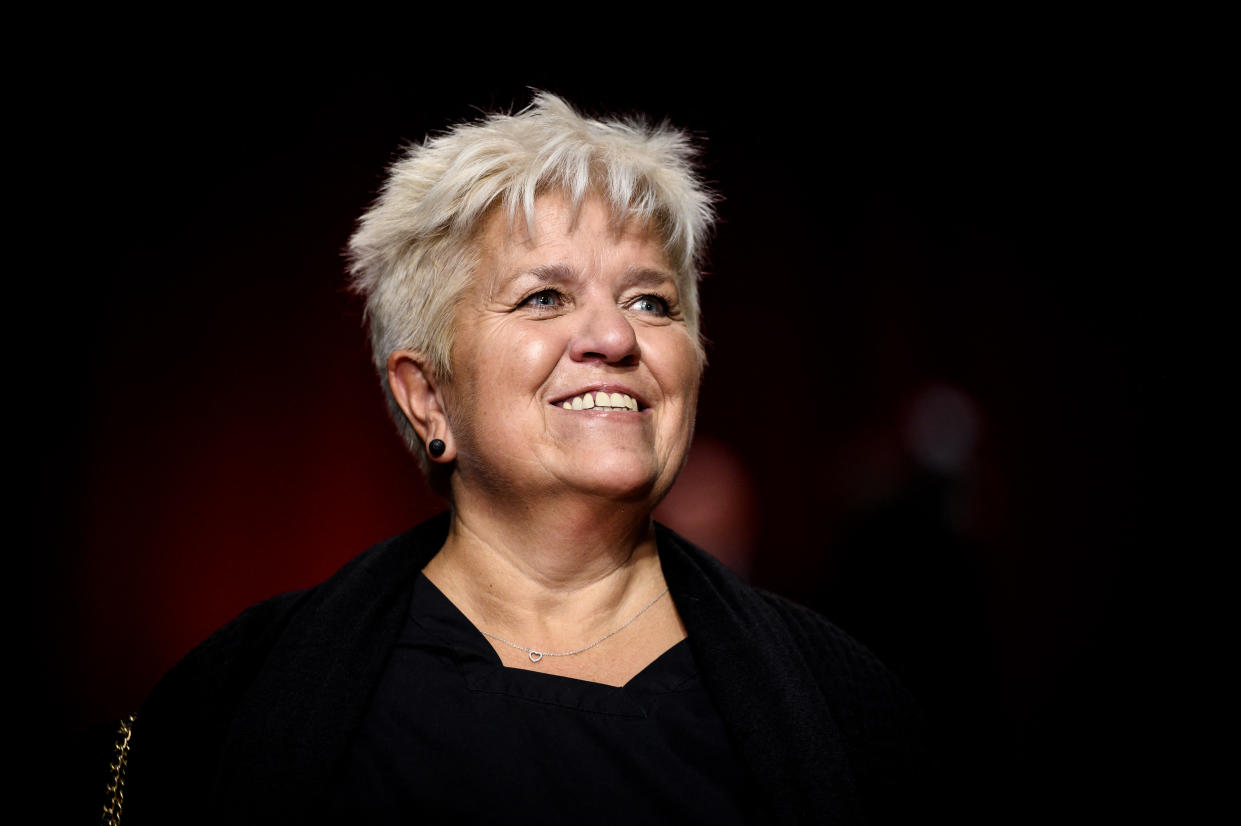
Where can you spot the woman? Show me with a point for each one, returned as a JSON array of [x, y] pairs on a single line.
[[543, 651]]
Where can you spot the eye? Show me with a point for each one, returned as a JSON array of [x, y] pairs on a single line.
[[650, 304], [544, 299]]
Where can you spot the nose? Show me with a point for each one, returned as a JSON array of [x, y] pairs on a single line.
[[605, 335]]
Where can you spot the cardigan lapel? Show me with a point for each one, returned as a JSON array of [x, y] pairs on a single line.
[[297, 719]]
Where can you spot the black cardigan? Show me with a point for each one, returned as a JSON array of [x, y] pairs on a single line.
[[250, 726]]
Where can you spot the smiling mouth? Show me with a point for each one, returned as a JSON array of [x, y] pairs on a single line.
[[602, 401]]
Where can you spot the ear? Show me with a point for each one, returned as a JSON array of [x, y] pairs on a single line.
[[419, 393]]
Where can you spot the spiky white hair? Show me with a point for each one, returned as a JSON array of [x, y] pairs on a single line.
[[414, 253]]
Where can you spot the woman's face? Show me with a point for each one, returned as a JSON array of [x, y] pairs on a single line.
[[580, 309]]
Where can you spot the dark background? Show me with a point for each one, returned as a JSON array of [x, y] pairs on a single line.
[[934, 381]]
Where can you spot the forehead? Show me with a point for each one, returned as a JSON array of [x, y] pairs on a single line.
[[555, 231]]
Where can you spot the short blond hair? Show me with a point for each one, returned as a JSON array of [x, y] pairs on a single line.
[[414, 250]]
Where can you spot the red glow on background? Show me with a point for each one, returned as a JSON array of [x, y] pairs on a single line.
[[926, 411]]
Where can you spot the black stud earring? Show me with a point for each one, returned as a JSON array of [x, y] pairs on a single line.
[[436, 447]]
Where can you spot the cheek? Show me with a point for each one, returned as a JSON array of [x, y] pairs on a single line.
[[506, 368], [530, 357], [679, 368]]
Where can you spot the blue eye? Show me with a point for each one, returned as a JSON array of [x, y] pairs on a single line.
[[544, 298], [650, 304]]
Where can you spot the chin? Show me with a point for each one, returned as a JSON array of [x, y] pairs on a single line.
[[621, 487]]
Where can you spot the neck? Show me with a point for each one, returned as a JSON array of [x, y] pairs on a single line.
[[555, 574]]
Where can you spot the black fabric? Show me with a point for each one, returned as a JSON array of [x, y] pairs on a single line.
[[252, 726], [454, 736]]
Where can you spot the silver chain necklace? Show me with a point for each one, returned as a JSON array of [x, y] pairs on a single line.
[[536, 655]]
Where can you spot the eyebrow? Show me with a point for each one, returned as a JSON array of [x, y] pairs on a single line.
[[563, 273], [551, 272], [647, 276]]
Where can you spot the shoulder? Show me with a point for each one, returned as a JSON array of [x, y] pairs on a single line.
[[879, 720], [239, 647], [264, 663], [234, 649], [220, 665], [867, 699], [179, 730], [843, 667], [796, 670], [703, 577], [838, 659]]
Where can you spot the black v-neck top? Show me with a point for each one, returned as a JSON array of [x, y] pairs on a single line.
[[452, 735]]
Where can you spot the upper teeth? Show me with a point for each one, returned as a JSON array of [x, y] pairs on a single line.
[[601, 401]]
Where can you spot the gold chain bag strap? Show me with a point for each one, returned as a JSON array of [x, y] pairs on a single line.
[[116, 784]]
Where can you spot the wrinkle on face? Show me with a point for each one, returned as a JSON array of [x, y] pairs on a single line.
[[507, 363]]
